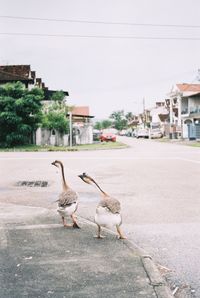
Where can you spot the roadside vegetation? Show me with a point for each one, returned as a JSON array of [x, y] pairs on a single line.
[[54, 117], [180, 142], [96, 146], [22, 112], [196, 144], [118, 120]]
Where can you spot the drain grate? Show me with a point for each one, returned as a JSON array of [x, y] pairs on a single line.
[[37, 183]]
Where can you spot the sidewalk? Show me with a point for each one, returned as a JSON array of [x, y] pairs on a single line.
[[40, 258]]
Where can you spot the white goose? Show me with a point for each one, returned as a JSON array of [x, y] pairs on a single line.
[[68, 199], [108, 210]]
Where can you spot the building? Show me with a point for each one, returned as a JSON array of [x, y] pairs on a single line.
[[15, 73], [82, 125], [24, 74], [160, 117], [187, 100]]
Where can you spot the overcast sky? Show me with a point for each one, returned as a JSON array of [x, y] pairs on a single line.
[[107, 74]]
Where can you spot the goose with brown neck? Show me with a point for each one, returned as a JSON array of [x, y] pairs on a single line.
[[68, 199], [108, 211]]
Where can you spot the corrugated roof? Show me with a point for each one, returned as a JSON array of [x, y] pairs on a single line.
[[188, 87], [82, 110], [190, 93]]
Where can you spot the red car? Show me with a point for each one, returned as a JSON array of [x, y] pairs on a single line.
[[106, 137]]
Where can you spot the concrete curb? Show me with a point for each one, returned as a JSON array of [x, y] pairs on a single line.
[[156, 280]]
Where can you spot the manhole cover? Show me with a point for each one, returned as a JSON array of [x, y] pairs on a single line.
[[37, 183]]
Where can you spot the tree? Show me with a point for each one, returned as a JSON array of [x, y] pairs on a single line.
[[56, 120], [20, 113], [129, 116], [98, 125], [58, 96], [55, 117], [120, 122], [106, 123], [103, 124]]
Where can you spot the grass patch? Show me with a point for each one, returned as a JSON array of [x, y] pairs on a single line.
[[197, 144], [95, 146], [180, 142]]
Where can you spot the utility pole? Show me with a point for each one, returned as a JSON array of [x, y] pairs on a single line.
[[179, 108], [70, 129], [171, 111], [198, 75], [170, 117], [144, 112]]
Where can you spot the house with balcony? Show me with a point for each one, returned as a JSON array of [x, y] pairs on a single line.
[[190, 110], [160, 117]]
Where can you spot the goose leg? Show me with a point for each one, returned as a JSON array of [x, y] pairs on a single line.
[[75, 225], [99, 236], [121, 236], [65, 223]]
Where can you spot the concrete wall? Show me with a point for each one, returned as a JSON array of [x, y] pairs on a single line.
[[50, 137], [81, 135], [86, 134]]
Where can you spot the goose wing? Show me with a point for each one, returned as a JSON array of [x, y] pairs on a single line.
[[67, 198], [113, 205]]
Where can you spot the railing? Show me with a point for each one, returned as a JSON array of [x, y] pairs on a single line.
[[184, 111], [195, 110]]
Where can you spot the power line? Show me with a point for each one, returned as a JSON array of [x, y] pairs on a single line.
[[100, 36], [100, 22]]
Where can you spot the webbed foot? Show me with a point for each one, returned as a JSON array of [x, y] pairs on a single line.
[[99, 236], [76, 226]]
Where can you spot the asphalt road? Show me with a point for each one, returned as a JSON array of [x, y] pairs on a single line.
[[157, 184]]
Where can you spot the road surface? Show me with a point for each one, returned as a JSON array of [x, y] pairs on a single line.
[[156, 183]]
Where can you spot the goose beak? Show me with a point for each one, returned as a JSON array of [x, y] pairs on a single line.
[[85, 178], [54, 164]]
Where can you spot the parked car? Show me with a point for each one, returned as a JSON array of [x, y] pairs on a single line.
[[156, 134], [122, 132], [142, 133], [106, 137]]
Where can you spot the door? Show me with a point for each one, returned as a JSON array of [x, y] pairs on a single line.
[[191, 131]]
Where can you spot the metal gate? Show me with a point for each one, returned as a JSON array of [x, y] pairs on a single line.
[[192, 131], [197, 131]]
